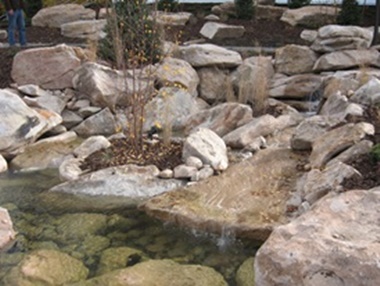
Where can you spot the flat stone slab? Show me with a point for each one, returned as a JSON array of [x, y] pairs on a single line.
[[248, 199]]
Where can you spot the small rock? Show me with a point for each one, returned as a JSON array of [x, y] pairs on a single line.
[[194, 162], [203, 174], [3, 164], [70, 170], [91, 145], [166, 174], [3, 34], [184, 172]]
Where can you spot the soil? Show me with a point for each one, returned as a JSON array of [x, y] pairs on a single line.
[[259, 32]]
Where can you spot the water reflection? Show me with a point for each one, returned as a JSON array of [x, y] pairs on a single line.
[[85, 227]]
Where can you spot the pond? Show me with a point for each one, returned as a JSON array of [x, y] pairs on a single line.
[[85, 227]]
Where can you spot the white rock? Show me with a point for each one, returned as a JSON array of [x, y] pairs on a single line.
[[217, 31], [33, 90], [194, 162], [70, 169], [172, 19], [202, 174], [210, 55], [7, 233], [91, 145], [184, 172], [49, 102], [57, 15], [347, 59], [207, 146], [309, 35], [166, 174], [3, 164], [365, 93]]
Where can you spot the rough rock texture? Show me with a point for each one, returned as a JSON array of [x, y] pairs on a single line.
[[295, 59], [106, 87], [366, 94], [247, 199], [301, 86], [170, 108], [159, 272], [207, 146], [91, 145], [213, 85], [177, 72], [310, 16], [221, 119], [91, 29], [20, 124], [131, 182], [101, 123], [49, 102], [309, 251], [361, 148], [46, 267], [3, 164], [210, 55], [332, 38], [342, 60], [217, 31], [57, 15], [172, 19], [50, 68], [46, 153], [7, 233], [330, 144]]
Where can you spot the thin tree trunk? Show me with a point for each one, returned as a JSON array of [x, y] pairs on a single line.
[[376, 27]]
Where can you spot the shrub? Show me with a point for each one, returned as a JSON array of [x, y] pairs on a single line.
[[244, 9], [349, 14], [294, 4], [131, 35], [32, 7], [375, 153], [167, 5]]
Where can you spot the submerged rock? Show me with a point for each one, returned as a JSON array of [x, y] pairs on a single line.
[[159, 272], [46, 267]]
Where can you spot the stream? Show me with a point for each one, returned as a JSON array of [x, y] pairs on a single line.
[[84, 227]]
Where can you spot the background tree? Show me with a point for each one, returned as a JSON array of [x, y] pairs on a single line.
[[349, 13]]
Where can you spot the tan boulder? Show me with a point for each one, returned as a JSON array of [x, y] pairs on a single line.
[[248, 199], [218, 31], [84, 29], [50, 68], [310, 16], [55, 16], [326, 245]]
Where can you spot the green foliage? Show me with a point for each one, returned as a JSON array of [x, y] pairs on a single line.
[[32, 7], [349, 14], [375, 153], [244, 9], [132, 37], [294, 4], [167, 5]]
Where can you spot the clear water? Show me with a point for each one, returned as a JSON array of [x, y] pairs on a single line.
[[42, 220]]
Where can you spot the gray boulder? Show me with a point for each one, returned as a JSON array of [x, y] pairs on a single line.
[[295, 59], [101, 123]]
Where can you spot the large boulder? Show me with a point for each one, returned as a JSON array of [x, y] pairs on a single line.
[[20, 125], [106, 87], [46, 153], [101, 123], [367, 93], [159, 272], [333, 142], [176, 72], [46, 267], [310, 16], [294, 59], [346, 59], [213, 84], [218, 31], [248, 199], [301, 86], [7, 233], [50, 68], [210, 55], [133, 183], [309, 251], [206, 145], [90, 29], [169, 108], [332, 38], [221, 119], [55, 16]]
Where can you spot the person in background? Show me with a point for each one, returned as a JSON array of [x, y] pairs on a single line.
[[16, 20]]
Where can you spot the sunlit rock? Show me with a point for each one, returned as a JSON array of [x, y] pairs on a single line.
[[7, 233]]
